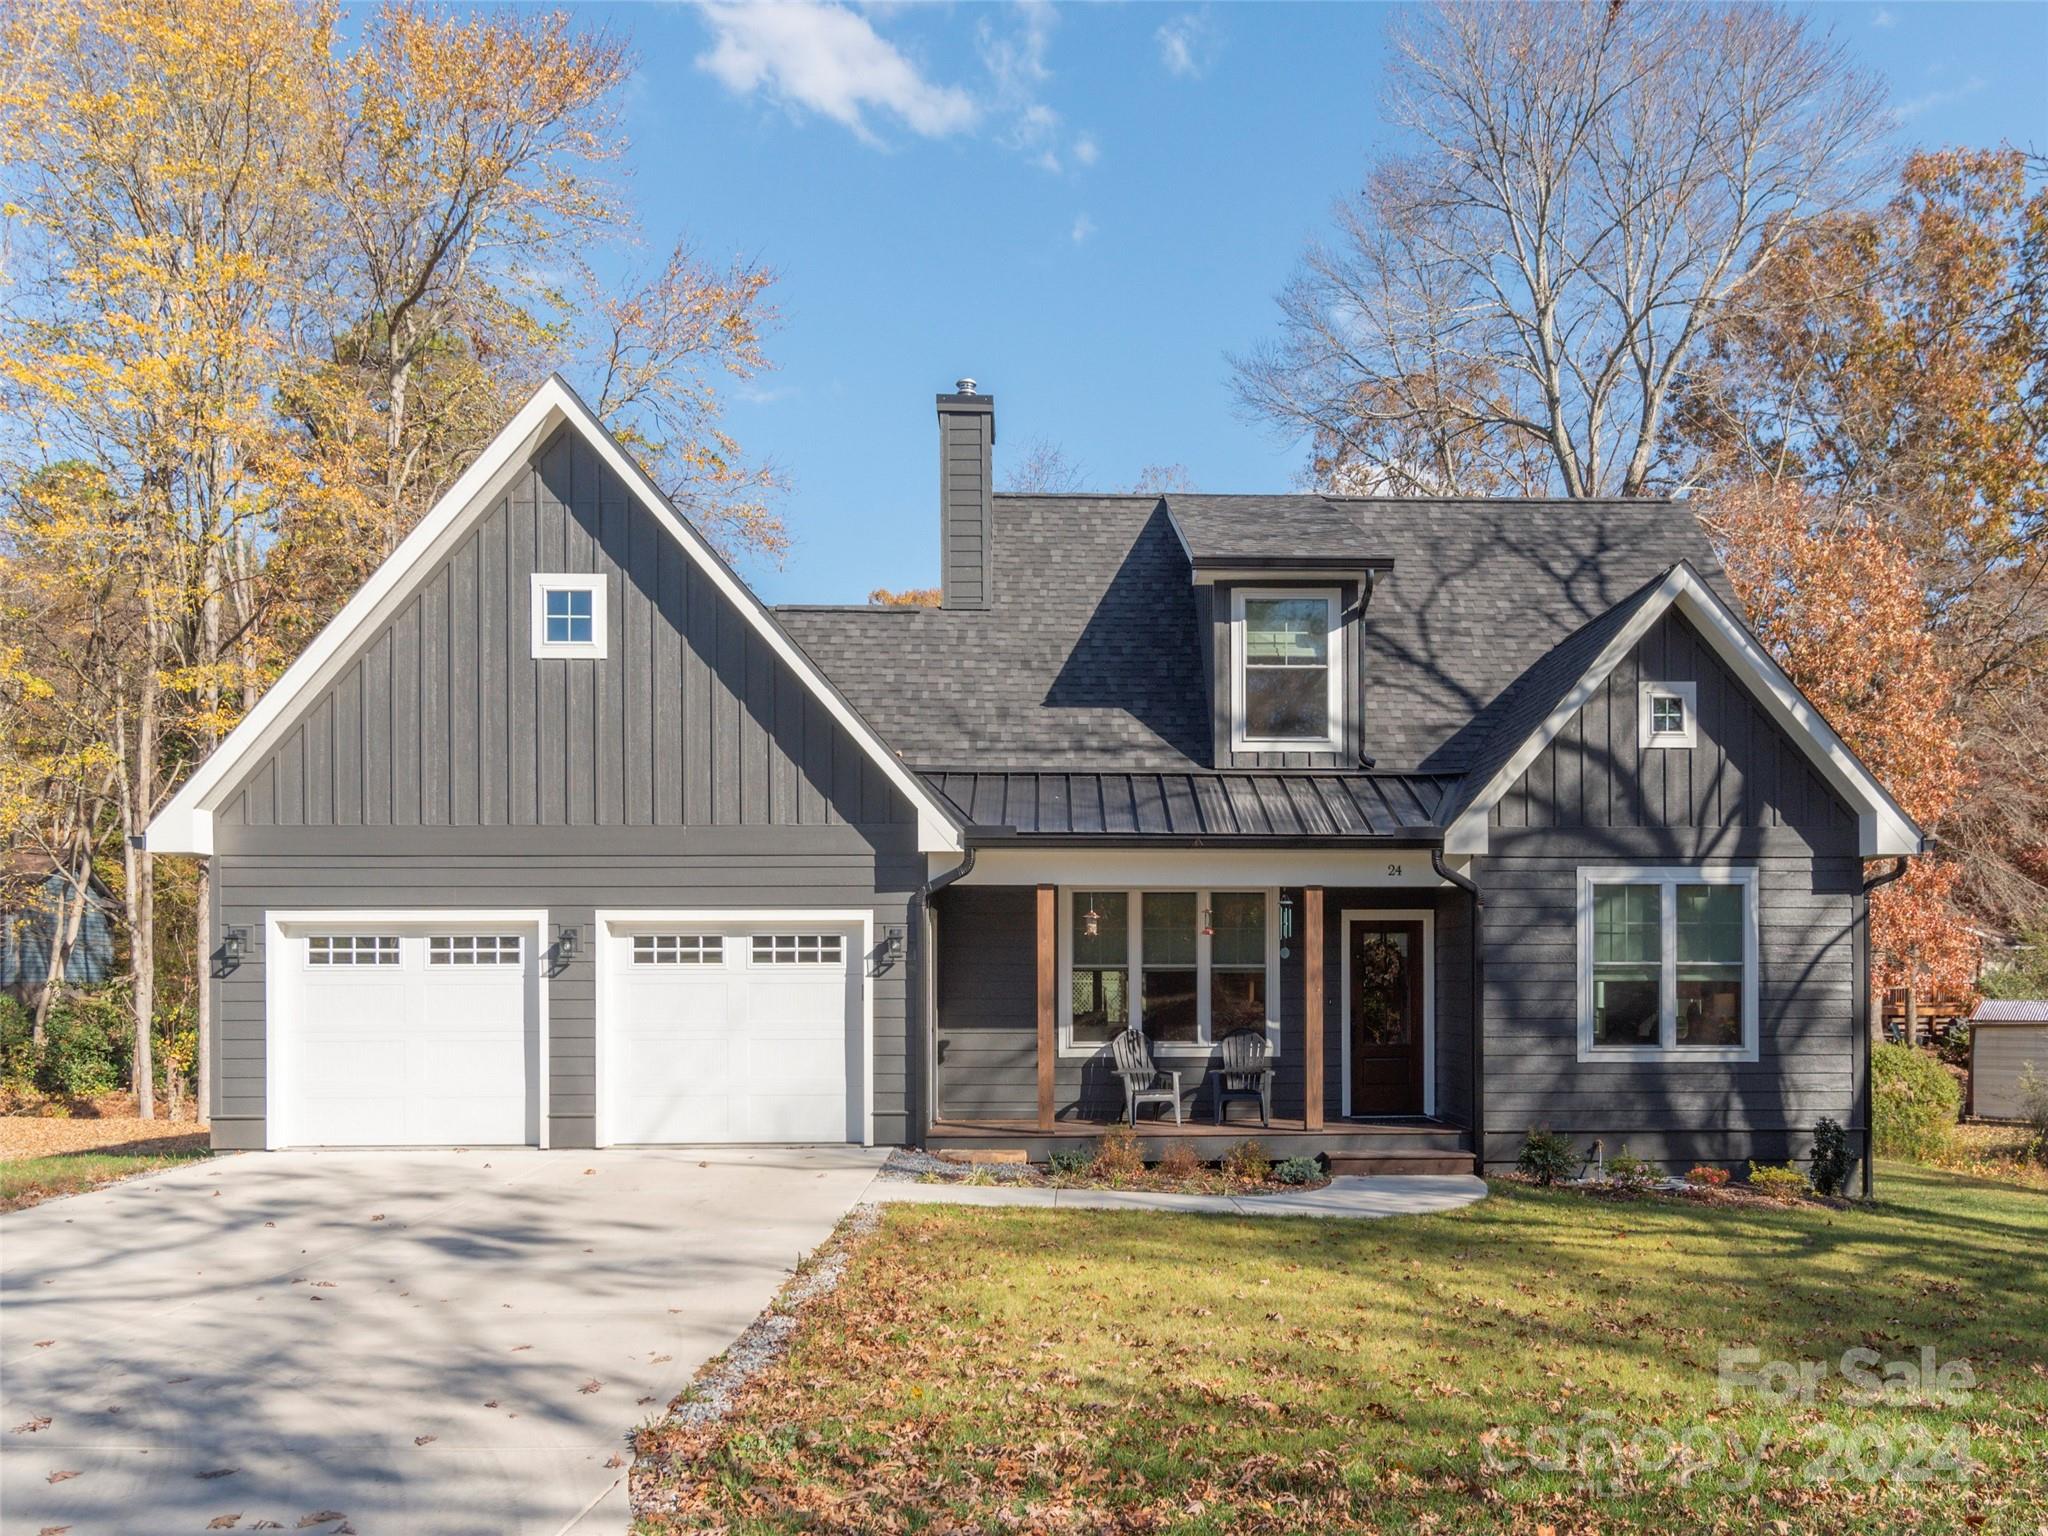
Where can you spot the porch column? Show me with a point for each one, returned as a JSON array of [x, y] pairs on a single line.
[[1048, 978], [1312, 1008]]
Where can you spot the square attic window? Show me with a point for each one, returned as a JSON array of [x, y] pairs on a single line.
[[569, 615]]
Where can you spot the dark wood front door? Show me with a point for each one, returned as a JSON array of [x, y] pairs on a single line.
[[1386, 1022]]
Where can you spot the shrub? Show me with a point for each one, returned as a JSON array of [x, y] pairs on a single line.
[[1634, 1174], [1915, 1101], [1068, 1162], [1247, 1163], [1179, 1163], [1117, 1158], [2033, 1088], [1830, 1157], [1706, 1177], [19, 1062], [1298, 1170], [1546, 1156], [85, 1044], [1786, 1183]]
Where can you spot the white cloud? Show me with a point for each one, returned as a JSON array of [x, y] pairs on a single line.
[[1015, 60], [1083, 227], [1909, 110], [1187, 46], [831, 61], [1086, 150], [1884, 20]]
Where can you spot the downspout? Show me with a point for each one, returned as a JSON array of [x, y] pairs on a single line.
[[1866, 1027], [1478, 967], [928, 1000]]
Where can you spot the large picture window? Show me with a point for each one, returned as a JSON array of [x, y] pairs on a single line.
[[1667, 964], [1287, 685], [1186, 966]]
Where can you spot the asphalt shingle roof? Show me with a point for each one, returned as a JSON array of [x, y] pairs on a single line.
[[1088, 660]]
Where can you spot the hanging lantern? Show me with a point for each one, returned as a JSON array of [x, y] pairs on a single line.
[[1286, 915], [1091, 922]]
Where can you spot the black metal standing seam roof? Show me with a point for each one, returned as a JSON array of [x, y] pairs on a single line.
[[1205, 805]]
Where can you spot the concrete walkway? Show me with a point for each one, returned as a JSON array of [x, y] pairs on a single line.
[[405, 1343], [1349, 1196]]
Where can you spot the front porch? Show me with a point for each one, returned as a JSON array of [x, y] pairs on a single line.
[[1371, 1071]]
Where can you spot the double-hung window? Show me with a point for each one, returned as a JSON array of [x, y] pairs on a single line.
[[1288, 681], [569, 615], [1668, 964], [1187, 967]]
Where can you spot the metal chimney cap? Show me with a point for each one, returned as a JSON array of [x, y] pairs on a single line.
[[963, 387]]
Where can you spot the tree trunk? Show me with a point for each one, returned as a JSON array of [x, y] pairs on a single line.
[[142, 893], [203, 994]]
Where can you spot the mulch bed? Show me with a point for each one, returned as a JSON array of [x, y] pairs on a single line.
[[47, 1135]]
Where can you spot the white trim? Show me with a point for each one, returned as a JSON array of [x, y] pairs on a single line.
[[277, 973], [613, 925], [598, 646], [1241, 869], [1427, 960], [1265, 575], [1885, 830], [1668, 878], [1333, 739], [1648, 737], [1134, 965], [185, 825]]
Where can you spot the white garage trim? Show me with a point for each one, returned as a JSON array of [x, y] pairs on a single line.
[[860, 919], [279, 973]]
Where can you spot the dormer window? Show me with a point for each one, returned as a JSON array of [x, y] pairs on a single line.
[[1288, 683], [1666, 714], [569, 615]]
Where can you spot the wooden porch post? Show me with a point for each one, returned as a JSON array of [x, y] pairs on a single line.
[[1312, 1008], [1048, 978]]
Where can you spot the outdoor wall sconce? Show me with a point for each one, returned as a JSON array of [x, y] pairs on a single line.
[[566, 942], [233, 944], [892, 942]]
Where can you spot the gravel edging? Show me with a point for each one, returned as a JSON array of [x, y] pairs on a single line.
[[715, 1389]]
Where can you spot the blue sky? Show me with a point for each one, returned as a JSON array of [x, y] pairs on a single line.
[[1085, 207]]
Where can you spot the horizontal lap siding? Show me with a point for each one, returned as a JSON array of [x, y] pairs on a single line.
[[570, 888], [1744, 794]]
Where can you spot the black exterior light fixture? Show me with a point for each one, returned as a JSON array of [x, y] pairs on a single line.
[[233, 945], [567, 940], [892, 942]]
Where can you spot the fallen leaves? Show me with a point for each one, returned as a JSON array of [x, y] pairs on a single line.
[[324, 1517], [224, 1522], [424, 1439], [62, 1477], [217, 1472], [592, 1385], [40, 1421]]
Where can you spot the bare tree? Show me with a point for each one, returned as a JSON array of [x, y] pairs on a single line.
[[1044, 470], [1511, 306]]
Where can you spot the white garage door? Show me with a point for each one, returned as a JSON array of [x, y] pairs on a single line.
[[721, 1034], [409, 1035]]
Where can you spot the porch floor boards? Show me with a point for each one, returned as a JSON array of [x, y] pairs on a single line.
[[1408, 1145]]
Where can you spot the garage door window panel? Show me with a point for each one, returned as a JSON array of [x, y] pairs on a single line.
[[799, 949], [475, 949], [678, 949], [349, 949]]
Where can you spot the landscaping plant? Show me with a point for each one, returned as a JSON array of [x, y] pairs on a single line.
[[1914, 1103], [1118, 1160], [1547, 1157], [1631, 1173], [1068, 1162], [1298, 1170], [2034, 1110], [1778, 1183], [1247, 1163], [1178, 1165], [1830, 1157], [1706, 1177]]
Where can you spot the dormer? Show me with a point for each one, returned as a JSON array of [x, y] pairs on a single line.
[[1281, 594]]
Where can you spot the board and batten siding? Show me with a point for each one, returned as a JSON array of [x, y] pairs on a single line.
[[446, 767], [1744, 794]]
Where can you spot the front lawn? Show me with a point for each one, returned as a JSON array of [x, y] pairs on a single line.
[[986, 1369], [46, 1155]]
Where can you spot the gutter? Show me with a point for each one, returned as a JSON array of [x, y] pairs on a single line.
[[1867, 1023], [928, 1002], [1478, 968]]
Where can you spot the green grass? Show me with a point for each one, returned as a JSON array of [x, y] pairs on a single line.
[[30, 1180], [1111, 1371]]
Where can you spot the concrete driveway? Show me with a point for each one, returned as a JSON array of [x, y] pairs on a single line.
[[409, 1343]]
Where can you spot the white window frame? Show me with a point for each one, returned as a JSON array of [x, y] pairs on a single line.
[[1688, 696], [1242, 740], [1669, 878], [599, 588], [1135, 936]]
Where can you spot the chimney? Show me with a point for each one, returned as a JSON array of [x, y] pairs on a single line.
[[967, 438]]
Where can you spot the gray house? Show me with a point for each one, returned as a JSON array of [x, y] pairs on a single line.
[[1487, 814]]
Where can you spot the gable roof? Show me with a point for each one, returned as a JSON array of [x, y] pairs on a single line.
[[185, 825], [1885, 830]]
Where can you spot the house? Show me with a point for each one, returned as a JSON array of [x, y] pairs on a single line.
[[2008, 1037], [1489, 813], [36, 898]]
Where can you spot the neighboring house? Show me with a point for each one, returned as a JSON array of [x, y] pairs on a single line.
[[38, 897], [2008, 1036], [1491, 814]]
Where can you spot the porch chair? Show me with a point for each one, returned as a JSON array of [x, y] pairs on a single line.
[[1246, 1072], [1144, 1083]]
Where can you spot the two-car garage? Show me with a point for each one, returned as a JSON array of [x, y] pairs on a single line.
[[420, 1029]]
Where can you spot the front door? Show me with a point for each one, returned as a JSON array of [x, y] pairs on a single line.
[[1386, 1022]]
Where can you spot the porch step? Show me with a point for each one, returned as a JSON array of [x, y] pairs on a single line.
[[1401, 1162]]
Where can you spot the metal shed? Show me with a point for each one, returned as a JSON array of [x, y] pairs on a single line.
[[2006, 1037]]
